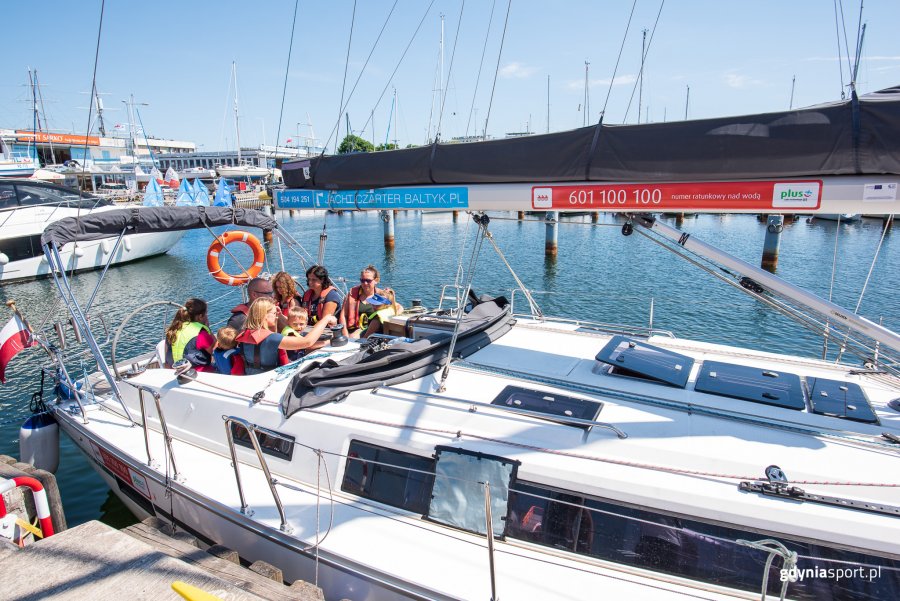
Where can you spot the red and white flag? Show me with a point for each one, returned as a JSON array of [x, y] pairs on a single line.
[[13, 338]]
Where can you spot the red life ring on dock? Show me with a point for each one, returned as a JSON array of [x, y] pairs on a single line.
[[215, 268], [41, 506]]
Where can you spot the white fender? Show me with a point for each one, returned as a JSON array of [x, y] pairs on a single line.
[[39, 442]]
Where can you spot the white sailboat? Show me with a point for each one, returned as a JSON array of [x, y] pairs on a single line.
[[243, 170], [489, 450]]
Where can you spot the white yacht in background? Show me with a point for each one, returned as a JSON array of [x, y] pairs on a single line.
[[28, 206], [243, 171], [14, 164]]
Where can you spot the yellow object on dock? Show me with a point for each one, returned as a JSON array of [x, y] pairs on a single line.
[[192, 593]]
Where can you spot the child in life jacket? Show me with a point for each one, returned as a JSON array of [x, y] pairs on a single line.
[[227, 357], [297, 319]]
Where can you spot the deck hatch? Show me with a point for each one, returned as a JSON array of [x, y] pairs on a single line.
[[549, 403], [840, 399], [754, 384], [638, 359]]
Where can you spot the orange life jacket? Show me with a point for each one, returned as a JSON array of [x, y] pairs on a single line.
[[320, 305]]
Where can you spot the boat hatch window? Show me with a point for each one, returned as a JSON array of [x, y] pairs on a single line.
[[751, 384], [457, 498], [640, 360], [686, 547], [271, 442], [840, 399], [391, 477], [551, 404]]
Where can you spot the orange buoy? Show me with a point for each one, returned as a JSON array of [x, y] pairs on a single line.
[[215, 250]]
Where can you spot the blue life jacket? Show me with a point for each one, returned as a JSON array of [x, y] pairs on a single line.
[[223, 359], [260, 351]]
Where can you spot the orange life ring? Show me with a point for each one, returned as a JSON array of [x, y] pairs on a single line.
[[212, 258]]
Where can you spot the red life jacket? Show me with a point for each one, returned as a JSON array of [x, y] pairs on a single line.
[[242, 308], [353, 304], [320, 305]]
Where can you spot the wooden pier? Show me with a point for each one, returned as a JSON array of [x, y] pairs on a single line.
[[95, 561]]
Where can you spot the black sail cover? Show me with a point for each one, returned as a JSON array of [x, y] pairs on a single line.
[[328, 381], [857, 136], [97, 225]]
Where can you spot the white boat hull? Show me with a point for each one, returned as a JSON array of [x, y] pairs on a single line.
[[93, 255], [240, 172]]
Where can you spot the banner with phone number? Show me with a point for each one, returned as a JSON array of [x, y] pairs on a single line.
[[681, 196]]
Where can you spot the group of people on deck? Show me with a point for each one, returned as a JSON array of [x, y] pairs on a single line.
[[270, 329]]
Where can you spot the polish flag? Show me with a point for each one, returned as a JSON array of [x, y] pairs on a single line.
[[289, 140], [13, 338]]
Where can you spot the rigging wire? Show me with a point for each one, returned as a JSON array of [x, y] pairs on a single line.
[[646, 51], [496, 71], [437, 135], [871, 269], [287, 70], [356, 83], [846, 47], [480, 65], [612, 79], [397, 67], [337, 125], [837, 32], [831, 286]]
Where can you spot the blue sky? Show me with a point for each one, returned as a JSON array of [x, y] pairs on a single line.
[[737, 57]]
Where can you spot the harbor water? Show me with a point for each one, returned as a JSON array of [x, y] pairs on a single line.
[[599, 275]]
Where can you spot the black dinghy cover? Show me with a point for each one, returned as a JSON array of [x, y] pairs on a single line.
[[141, 220], [857, 136], [328, 381]]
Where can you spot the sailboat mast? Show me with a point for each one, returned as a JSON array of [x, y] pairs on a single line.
[[237, 126], [548, 104], [40, 96]]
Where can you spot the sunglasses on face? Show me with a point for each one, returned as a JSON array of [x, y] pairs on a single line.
[[365, 281], [264, 292]]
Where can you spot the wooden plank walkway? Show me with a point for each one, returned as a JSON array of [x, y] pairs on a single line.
[[95, 561]]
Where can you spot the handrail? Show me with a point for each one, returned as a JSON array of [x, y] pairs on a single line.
[[611, 328], [162, 422], [251, 430], [573, 421], [490, 539]]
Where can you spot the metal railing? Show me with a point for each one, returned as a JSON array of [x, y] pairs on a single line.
[[598, 326], [251, 431], [162, 422]]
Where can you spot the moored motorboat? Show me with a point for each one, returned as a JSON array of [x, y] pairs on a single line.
[[28, 207]]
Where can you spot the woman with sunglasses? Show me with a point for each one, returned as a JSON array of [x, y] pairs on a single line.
[[357, 312], [321, 297]]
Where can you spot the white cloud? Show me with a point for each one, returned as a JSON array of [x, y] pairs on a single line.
[[620, 80], [733, 80], [516, 71]]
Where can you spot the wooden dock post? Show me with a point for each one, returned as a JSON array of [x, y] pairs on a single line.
[[595, 216], [774, 227], [388, 218], [551, 244], [520, 215]]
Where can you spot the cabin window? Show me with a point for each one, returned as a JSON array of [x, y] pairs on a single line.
[[8, 197], [754, 384], [23, 247], [689, 548], [640, 360], [391, 477], [458, 495], [550, 404], [271, 442]]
